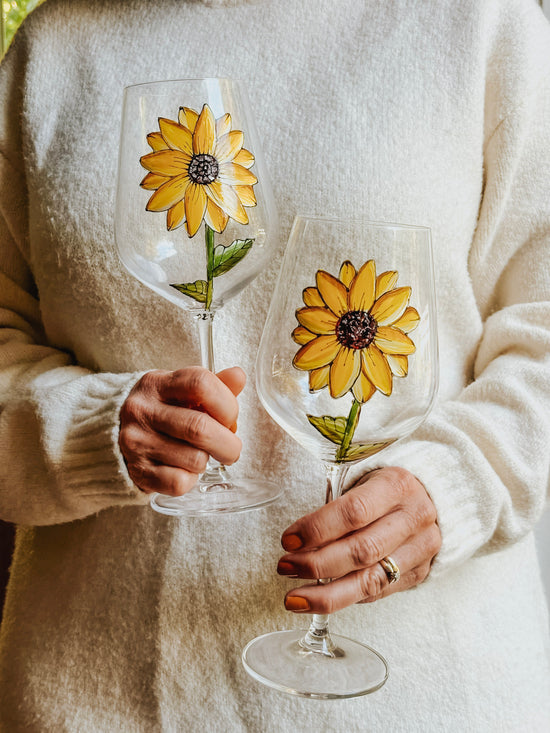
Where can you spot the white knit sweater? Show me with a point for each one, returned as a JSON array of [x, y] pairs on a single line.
[[432, 112]]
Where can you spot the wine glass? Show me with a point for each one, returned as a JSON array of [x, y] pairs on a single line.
[[195, 220], [347, 365]]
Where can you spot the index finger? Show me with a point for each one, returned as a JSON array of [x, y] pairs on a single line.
[[200, 389], [356, 509]]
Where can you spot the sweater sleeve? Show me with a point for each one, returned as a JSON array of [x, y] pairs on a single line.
[[59, 455], [484, 457]]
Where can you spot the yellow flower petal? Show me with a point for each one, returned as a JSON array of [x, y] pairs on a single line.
[[347, 273], [408, 321], [195, 206], [233, 174], [393, 341], [386, 281], [317, 353], [244, 158], [361, 293], [188, 118], [390, 306], [311, 296], [223, 125], [153, 181], [376, 369], [333, 292], [318, 378], [175, 216], [228, 146], [177, 137], [226, 198], [156, 141], [318, 320], [204, 135], [398, 364], [168, 194], [246, 195], [302, 336], [344, 370], [215, 217], [363, 389], [166, 162]]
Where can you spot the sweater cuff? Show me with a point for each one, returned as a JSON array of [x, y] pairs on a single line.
[[94, 471], [446, 476]]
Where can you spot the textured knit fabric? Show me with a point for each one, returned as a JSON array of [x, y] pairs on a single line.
[[430, 112]]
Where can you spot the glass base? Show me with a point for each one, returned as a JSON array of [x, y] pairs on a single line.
[[279, 660], [235, 495]]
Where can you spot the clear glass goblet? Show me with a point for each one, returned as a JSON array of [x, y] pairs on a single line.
[[195, 221], [347, 365]]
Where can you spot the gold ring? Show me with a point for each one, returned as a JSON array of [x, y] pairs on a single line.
[[391, 568]]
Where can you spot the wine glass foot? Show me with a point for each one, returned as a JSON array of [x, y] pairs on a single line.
[[229, 496], [278, 660]]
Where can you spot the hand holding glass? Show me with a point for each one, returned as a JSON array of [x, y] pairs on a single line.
[[190, 165], [347, 365]]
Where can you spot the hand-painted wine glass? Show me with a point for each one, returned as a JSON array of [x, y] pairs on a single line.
[[191, 168], [347, 365]]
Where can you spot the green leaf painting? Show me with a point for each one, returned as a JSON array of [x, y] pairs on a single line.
[[227, 257], [331, 427], [196, 290], [334, 429]]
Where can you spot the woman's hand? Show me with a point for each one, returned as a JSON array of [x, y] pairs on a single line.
[[388, 513], [171, 422]]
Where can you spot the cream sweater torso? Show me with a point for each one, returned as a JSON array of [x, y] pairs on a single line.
[[433, 113]]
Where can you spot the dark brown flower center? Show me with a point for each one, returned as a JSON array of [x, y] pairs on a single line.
[[356, 329], [203, 169]]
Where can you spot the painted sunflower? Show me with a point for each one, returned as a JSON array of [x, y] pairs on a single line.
[[353, 331], [199, 170]]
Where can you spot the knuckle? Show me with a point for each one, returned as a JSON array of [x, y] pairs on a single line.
[[400, 480], [371, 582], [141, 474], [325, 604], [196, 461], [433, 541], [130, 409], [310, 568], [127, 441], [136, 407], [200, 382], [149, 382], [314, 530], [355, 509], [179, 483], [418, 575], [196, 426], [365, 550], [421, 514]]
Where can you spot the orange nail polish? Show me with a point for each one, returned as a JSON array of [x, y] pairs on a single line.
[[296, 603], [233, 428], [286, 568], [292, 542]]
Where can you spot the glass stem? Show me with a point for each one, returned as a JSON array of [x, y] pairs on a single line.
[[317, 638], [205, 320], [215, 476]]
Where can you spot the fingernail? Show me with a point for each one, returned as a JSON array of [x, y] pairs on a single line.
[[296, 603], [292, 542], [233, 428], [286, 568]]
